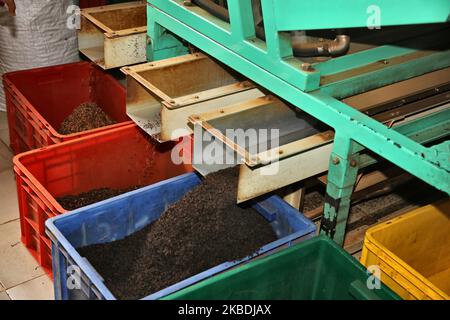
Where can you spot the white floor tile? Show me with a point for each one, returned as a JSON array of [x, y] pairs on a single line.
[[17, 265], [40, 288], [3, 294], [9, 208]]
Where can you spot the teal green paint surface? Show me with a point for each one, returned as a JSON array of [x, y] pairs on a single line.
[[276, 55], [360, 59], [327, 14], [200, 21], [375, 79], [442, 154], [242, 21], [349, 122], [316, 269], [425, 130], [341, 179], [342, 176], [166, 44]]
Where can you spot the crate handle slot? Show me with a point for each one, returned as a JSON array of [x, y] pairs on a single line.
[[359, 290]]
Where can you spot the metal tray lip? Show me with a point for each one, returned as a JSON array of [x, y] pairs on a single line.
[[264, 157], [186, 100], [88, 14]]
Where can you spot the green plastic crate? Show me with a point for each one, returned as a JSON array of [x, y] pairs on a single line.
[[317, 269]]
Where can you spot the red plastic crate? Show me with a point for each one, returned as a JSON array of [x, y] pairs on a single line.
[[117, 159], [39, 100]]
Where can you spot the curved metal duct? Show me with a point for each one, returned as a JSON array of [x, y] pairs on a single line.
[[334, 48]]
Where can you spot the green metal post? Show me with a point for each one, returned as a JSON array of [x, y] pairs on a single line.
[[342, 174], [241, 18], [160, 43], [278, 44]]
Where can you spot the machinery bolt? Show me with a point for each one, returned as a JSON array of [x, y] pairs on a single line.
[[336, 161], [307, 67], [353, 163]]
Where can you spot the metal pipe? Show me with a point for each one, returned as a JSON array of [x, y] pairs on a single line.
[[337, 47]]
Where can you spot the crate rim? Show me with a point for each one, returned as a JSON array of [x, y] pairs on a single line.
[[318, 238], [9, 86], [57, 237], [370, 243], [386, 267], [54, 234], [19, 168]]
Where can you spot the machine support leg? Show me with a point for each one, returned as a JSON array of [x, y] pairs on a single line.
[[342, 175], [161, 44]]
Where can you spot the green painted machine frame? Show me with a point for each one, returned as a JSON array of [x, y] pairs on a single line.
[[317, 90]]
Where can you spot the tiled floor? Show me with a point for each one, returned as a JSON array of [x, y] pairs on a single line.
[[20, 275], [4, 133]]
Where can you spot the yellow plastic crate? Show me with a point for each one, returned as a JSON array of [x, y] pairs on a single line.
[[413, 252]]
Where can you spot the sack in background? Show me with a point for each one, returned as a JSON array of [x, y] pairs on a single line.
[[37, 36]]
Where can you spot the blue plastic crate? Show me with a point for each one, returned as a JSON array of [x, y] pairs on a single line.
[[118, 217]]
